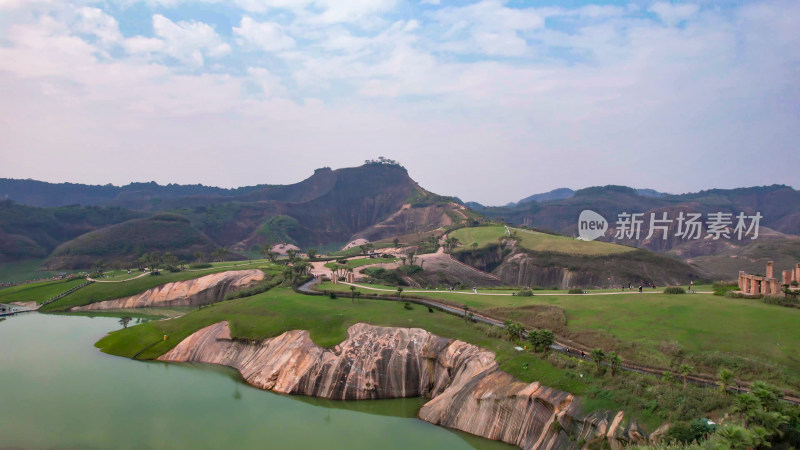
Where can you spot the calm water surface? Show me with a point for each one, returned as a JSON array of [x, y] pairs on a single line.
[[58, 391]]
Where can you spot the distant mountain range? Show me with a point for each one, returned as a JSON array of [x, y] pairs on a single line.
[[73, 224], [329, 208]]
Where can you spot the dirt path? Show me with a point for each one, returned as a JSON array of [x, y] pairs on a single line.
[[117, 281]]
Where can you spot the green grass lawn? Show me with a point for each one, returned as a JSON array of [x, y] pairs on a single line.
[[536, 241], [280, 310], [708, 328], [37, 291], [106, 291], [353, 263], [26, 270]]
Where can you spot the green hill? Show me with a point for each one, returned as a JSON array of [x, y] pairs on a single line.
[[127, 241], [535, 241]]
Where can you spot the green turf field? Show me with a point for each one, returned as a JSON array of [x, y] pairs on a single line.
[[712, 331], [38, 292], [535, 241], [105, 291]]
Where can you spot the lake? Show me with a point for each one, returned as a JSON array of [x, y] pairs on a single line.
[[58, 390]]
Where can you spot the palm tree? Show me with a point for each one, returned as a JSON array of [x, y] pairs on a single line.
[[725, 377], [745, 405], [598, 356], [734, 437], [399, 292], [685, 370], [312, 253], [614, 361], [352, 294]]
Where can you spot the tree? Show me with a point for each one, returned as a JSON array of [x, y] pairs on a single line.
[[734, 437], [450, 243], [312, 253], [396, 242], [685, 370], [598, 356], [124, 321], [199, 256], [265, 250], [170, 261], [272, 256], [745, 405], [725, 377], [220, 254], [399, 292], [365, 248], [98, 266], [352, 294], [514, 329], [614, 362], [474, 245], [291, 253], [541, 340], [154, 262], [412, 258]]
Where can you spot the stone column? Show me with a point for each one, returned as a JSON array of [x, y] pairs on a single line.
[[775, 288], [741, 281], [748, 284], [787, 277], [797, 273], [770, 268]]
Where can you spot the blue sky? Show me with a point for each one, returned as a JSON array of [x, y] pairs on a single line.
[[488, 100]]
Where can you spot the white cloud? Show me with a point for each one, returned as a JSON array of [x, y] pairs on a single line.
[[608, 98], [267, 36], [189, 42], [488, 27], [673, 14], [96, 22]]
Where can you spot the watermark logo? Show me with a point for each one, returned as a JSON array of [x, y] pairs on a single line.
[[687, 226], [591, 225]]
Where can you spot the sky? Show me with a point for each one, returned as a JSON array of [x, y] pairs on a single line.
[[488, 100]]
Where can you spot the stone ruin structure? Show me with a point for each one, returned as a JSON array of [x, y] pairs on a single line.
[[768, 284]]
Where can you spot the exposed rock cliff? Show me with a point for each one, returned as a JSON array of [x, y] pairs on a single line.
[[468, 390], [200, 291]]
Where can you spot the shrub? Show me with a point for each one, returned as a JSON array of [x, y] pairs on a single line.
[[412, 269], [200, 266], [525, 292], [575, 291], [675, 290], [408, 306], [332, 295]]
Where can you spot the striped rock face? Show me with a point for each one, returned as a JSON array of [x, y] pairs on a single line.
[[200, 291], [467, 389]]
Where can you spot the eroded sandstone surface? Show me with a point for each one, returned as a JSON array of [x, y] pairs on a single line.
[[199, 291], [468, 391]]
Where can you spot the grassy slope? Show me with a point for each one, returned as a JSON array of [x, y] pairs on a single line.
[[105, 291], [26, 270], [279, 310], [637, 325], [353, 263], [37, 291], [536, 241]]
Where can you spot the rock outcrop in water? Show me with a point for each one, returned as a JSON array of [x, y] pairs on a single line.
[[199, 291], [468, 390]]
